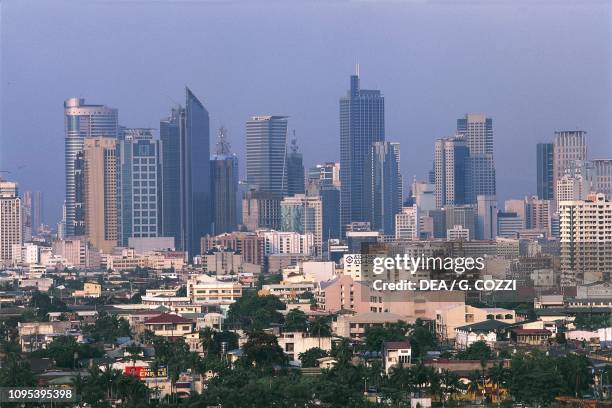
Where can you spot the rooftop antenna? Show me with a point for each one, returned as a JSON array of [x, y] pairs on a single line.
[[223, 146], [357, 69]]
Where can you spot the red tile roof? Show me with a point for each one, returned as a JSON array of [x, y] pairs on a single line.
[[167, 318]]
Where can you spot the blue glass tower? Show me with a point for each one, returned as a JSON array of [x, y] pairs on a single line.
[[186, 192], [362, 122]]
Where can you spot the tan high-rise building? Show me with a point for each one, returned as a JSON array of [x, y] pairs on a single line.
[[586, 240], [100, 192], [569, 146], [11, 226]]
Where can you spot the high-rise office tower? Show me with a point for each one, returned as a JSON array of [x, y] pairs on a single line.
[[11, 219], [545, 171], [325, 174], [477, 130], [568, 147], [261, 210], [33, 213], [324, 181], [81, 121], [266, 148], [139, 184], [586, 249], [295, 170], [456, 215], [382, 190], [450, 161], [407, 224], [486, 221], [100, 192], [602, 176], [538, 214], [224, 175], [27, 209], [362, 122], [186, 190], [79, 196], [303, 214]]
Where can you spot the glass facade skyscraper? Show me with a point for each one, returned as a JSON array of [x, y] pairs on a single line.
[[477, 131], [224, 175], [266, 148], [139, 184], [362, 122], [81, 121], [186, 191], [545, 171], [382, 196]]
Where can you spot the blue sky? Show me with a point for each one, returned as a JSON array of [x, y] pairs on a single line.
[[534, 66]]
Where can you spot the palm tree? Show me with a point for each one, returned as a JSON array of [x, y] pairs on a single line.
[[474, 378], [498, 375], [402, 377], [206, 338], [320, 326], [109, 377], [450, 382]]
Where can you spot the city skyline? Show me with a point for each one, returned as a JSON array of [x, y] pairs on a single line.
[[412, 100]]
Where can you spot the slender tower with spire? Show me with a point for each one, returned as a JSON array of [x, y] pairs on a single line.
[[295, 169], [362, 122], [224, 175]]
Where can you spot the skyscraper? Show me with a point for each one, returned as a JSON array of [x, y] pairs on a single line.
[[11, 221], [362, 122], [486, 221], [81, 121], [545, 171], [303, 214], [568, 147], [477, 130], [586, 248], [295, 170], [186, 191], [602, 176], [100, 192], [266, 148], [224, 175], [382, 191], [450, 161], [139, 184]]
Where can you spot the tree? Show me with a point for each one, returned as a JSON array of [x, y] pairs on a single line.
[[309, 357], [16, 372], [253, 312], [295, 321], [535, 378], [65, 351], [377, 335], [108, 328], [422, 339], [576, 372], [450, 384], [476, 351], [262, 350], [342, 351], [320, 327]]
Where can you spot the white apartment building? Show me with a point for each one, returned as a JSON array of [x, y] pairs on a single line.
[[586, 240], [407, 224], [11, 223], [207, 289], [286, 242]]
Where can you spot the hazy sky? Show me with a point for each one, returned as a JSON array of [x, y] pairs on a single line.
[[533, 66]]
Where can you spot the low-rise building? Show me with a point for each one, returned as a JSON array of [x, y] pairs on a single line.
[[396, 353], [169, 325], [295, 343], [488, 331]]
